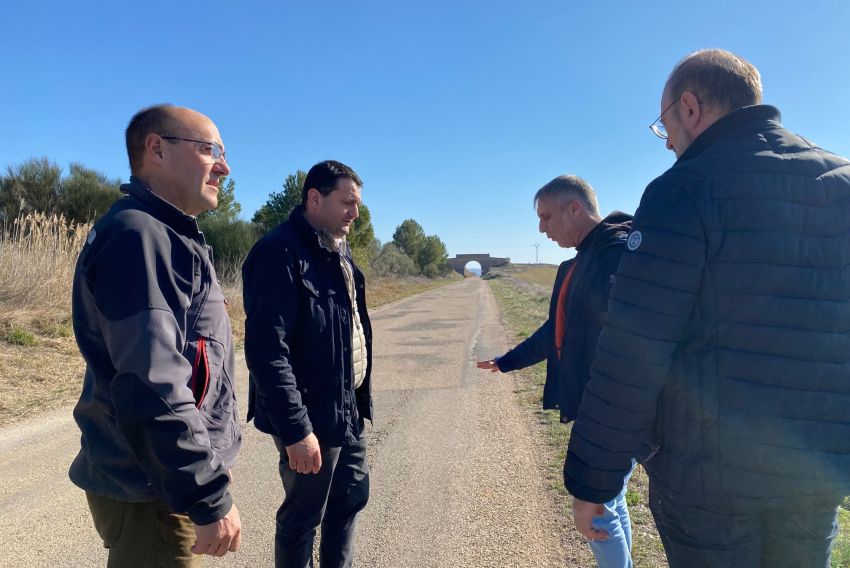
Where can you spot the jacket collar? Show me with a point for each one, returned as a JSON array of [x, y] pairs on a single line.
[[612, 228], [746, 119], [160, 208], [312, 235]]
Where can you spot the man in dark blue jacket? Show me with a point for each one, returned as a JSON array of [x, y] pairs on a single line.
[[308, 345], [160, 430], [569, 215], [727, 343]]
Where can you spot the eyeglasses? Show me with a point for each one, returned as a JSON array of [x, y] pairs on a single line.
[[657, 126], [215, 149]]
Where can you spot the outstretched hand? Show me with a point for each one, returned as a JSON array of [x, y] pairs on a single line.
[[491, 365], [583, 513]]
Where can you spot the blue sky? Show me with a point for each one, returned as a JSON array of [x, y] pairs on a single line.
[[453, 113]]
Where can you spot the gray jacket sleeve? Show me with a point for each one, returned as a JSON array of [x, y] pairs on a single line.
[[143, 309]]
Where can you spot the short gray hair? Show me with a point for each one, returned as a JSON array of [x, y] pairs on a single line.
[[718, 78], [567, 187]]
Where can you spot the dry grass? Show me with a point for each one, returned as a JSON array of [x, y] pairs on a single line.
[[540, 274], [37, 258], [383, 291], [40, 366]]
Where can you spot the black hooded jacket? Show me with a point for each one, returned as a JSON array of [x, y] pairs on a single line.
[[597, 258]]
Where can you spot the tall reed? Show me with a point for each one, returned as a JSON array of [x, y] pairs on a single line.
[[37, 258]]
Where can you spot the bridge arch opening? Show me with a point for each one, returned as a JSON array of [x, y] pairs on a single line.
[[485, 261], [472, 268]]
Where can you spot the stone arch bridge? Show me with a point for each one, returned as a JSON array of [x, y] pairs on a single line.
[[485, 260]]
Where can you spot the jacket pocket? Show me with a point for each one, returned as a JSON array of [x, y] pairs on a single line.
[[310, 287], [653, 445], [200, 382], [207, 357], [316, 306]]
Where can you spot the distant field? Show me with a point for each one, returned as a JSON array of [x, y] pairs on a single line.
[[539, 274]]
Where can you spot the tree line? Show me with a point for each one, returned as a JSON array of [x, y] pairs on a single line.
[[84, 194]]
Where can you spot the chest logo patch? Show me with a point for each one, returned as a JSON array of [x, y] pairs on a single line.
[[92, 236], [635, 239]]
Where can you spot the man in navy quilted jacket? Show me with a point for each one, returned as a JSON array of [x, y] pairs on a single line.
[[724, 362]]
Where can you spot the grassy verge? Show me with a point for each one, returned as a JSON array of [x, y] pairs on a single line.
[[523, 309], [41, 368], [540, 274], [841, 551]]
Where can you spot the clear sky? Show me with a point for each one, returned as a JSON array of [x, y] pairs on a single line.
[[453, 112]]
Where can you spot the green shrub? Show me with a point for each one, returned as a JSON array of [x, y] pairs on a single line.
[[230, 241], [17, 335]]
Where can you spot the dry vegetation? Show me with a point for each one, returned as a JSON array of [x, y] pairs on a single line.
[[540, 274], [37, 256], [40, 367]]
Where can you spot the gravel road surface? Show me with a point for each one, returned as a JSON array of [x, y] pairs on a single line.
[[455, 476]]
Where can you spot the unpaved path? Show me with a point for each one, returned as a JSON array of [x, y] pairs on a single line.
[[456, 480]]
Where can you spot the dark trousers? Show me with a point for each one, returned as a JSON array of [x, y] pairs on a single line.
[[143, 535], [331, 499], [794, 536]]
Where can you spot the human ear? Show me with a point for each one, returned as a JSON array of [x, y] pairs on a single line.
[[153, 144], [691, 111], [313, 197]]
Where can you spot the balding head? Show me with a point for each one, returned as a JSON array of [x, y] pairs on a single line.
[[162, 119], [719, 79], [178, 154]]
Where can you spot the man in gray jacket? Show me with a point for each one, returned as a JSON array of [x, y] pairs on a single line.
[[157, 411]]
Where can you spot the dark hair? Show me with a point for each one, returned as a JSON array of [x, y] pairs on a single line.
[[567, 187], [322, 177], [156, 119], [718, 78]]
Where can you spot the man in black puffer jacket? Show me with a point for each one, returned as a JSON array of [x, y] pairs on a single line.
[[569, 215], [727, 341]]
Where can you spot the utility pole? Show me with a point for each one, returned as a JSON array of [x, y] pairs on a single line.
[[536, 253]]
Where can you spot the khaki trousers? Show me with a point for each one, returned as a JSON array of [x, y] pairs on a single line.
[[143, 535]]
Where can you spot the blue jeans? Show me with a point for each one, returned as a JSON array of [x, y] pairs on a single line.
[[798, 535], [616, 550]]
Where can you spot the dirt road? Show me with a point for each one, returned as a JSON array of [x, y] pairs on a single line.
[[455, 476]]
